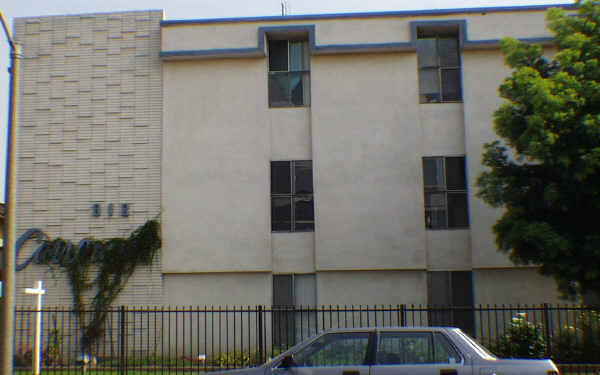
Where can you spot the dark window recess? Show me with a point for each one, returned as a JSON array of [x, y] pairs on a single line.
[[283, 290], [96, 209], [124, 210], [289, 73], [291, 292], [439, 65], [283, 314], [450, 298], [292, 206], [445, 192]]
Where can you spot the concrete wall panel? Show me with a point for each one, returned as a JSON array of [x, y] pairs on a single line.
[[448, 249], [483, 72], [381, 287], [293, 252], [218, 289], [513, 286], [216, 167], [392, 29], [290, 133], [367, 160]]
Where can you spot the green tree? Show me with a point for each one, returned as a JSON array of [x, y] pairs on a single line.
[[546, 171]]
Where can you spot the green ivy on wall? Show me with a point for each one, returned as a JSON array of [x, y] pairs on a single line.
[[114, 260]]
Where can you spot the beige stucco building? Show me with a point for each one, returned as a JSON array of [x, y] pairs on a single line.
[[321, 159]]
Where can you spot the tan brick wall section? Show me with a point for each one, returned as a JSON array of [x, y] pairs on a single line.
[[89, 132]]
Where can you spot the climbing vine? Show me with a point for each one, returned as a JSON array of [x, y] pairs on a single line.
[[114, 259]]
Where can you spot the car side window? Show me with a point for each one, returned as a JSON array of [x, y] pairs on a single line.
[[395, 348], [334, 349], [406, 348], [444, 352]]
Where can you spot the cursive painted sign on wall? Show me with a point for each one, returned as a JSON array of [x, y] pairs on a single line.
[[57, 253]]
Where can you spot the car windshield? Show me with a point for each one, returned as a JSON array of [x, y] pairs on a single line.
[[483, 352]]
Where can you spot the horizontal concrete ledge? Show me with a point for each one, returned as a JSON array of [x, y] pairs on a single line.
[[212, 54], [213, 272], [369, 269], [334, 49], [495, 43]]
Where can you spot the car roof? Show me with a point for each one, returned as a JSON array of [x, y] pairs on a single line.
[[391, 328]]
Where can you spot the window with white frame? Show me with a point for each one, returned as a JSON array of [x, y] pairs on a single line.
[[289, 73], [439, 64], [445, 192], [292, 208]]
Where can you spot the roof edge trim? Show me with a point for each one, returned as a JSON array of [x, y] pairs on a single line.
[[407, 13]]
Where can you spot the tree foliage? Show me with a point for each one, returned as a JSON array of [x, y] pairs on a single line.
[[546, 171]]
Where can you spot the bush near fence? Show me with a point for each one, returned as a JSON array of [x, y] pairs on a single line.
[[208, 338]]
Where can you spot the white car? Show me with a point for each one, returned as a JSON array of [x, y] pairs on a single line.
[[396, 351]]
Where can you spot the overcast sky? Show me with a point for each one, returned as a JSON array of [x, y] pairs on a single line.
[[185, 9]]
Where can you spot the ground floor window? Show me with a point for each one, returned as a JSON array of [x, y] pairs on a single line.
[[453, 289], [293, 297]]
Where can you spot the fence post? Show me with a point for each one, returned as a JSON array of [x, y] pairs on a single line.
[[260, 334], [403, 315], [123, 341], [547, 333]]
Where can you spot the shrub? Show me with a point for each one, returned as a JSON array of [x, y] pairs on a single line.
[[522, 340], [22, 357], [580, 342], [239, 358], [52, 355]]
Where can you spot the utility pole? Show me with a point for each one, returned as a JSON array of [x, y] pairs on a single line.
[[7, 327]]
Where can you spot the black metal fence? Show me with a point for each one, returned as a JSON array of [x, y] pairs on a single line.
[[166, 339]]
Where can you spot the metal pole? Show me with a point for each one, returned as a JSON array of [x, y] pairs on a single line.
[[37, 340], [260, 334], [8, 295]]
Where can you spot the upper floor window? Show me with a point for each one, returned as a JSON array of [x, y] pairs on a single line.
[[439, 65], [289, 73], [292, 208], [445, 192]]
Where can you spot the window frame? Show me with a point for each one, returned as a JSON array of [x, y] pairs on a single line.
[[445, 190], [304, 74], [437, 33], [293, 196]]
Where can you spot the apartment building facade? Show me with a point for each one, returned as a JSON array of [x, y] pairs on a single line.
[[298, 160], [332, 159]]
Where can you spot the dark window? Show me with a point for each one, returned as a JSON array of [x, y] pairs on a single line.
[[96, 209], [292, 294], [289, 73], [450, 297], [292, 207], [439, 65], [124, 209], [283, 290], [445, 192]]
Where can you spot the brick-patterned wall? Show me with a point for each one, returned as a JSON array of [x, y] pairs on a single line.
[[89, 132]]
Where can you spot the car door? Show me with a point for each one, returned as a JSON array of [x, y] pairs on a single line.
[[416, 353], [341, 353]]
